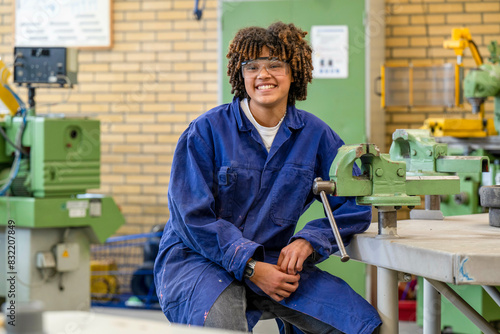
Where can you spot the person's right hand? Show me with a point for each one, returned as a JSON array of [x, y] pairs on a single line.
[[275, 283]]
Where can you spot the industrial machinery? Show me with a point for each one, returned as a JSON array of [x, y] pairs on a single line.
[[416, 165], [48, 162]]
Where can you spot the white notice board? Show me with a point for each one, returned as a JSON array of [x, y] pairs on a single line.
[[63, 23], [330, 51]]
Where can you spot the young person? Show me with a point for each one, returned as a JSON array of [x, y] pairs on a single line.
[[242, 176]]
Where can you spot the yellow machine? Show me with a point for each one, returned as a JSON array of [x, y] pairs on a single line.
[[439, 86], [461, 39]]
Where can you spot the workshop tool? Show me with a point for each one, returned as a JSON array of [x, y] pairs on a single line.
[[47, 164], [416, 165]]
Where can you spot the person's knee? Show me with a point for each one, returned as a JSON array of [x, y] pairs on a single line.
[[229, 310]]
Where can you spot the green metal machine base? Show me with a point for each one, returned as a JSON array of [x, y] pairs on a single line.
[[100, 214]]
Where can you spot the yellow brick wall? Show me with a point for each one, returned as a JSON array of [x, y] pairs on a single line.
[[160, 74], [415, 32]]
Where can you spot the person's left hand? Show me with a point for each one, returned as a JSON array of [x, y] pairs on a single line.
[[292, 257]]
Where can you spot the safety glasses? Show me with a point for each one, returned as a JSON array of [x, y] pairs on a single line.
[[251, 68]]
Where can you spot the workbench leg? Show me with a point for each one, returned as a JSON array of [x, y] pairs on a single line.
[[387, 300], [432, 309]]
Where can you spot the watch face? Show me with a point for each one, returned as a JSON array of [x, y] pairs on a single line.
[[248, 272]]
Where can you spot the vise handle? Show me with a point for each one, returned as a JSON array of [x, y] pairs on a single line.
[[319, 187]]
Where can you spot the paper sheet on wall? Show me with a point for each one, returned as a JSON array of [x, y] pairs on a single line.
[[63, 23], [330, 51]]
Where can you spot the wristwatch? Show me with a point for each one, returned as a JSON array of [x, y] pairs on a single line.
[[250, 268]]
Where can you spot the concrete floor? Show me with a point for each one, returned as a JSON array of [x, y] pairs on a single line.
[[263, 327]]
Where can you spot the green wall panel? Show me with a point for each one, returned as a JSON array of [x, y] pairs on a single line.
[[339, 102]]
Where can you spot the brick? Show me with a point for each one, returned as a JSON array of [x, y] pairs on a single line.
[[157, 26], [140, 16], [141, 158], [172, 36], [484, 29], [125, 148], [158, 210], [446, 8], [127, 209], [157, 107], [142, 138], [396, 41], [123, 87], [169, 97], [173, 15], [94, 107], [188, 87], [491, 17], [126, 26], [142, 199], [126, 6], [112, 158], [106, 57], [140, 118], [108, 97], [464, 19], [156, 46], [409, 31], [109, 77], [140, 36], [484, 7], [93, 67], [126, 189], [398, 20], [125, 128], [187, 46], [189, 66], [444, 30], [427, 19], [156, 5], [142, 179]]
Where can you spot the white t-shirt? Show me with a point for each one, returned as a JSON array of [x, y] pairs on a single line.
[[266, 133]]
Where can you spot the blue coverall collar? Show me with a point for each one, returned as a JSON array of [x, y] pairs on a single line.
[[293, 119]]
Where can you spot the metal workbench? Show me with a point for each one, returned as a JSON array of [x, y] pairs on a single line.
[[458, 250]]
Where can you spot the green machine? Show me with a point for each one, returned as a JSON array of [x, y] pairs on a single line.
[[331, 99], [478, 85], [47, 220]]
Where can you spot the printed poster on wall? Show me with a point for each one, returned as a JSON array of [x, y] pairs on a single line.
[[63, 23], [330, 51]]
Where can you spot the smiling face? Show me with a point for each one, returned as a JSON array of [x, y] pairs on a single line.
[[268, 93]]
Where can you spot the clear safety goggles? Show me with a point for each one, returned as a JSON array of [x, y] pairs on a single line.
[[251, 68]]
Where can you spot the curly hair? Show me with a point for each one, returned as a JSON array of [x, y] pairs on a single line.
[[285, 42]]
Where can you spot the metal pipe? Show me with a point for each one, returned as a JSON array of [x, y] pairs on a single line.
[[344, 257], [462, 305], [493, 292], [387, 221], [432, 309], [387, 300], [432, 202]]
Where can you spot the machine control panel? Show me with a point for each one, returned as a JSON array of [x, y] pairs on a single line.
[[45, 65]]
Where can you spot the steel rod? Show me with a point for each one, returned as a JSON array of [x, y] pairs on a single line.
[[344, 257], [463, 307]]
